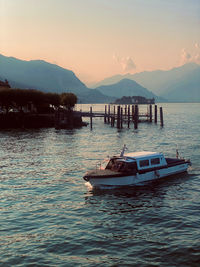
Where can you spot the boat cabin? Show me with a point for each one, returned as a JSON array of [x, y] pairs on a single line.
[[134, 162]]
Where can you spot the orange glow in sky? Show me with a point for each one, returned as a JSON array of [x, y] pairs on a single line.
[[101, 38]]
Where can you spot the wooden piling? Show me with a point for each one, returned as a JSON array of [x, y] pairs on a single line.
[[128, 116], [118, 117], [132, 113], [105, 115], [136, 117], [108, 113], [161, 117], [155, 114], [112, 121], [121, 118], [113, 117], [90, 117], [125, 112], [150, 113]]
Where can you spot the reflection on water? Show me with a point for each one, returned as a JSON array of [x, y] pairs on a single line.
[[49, 217], [138, 194]]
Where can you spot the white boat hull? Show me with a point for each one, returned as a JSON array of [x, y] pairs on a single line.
[[138, 178]]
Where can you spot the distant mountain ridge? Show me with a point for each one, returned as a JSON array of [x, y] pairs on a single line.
[[47, 77], [188, 88], [39, 74], [178, 84], [125, 87], [162, 81]]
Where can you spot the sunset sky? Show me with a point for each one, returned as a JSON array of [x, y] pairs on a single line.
[[101, 38]]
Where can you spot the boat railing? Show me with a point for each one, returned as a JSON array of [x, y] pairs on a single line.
[[100, 165]]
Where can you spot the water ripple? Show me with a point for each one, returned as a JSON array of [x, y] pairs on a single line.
[[49, 217]]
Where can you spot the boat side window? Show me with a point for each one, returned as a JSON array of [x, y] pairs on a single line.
[[144, 163], [155, 161], [131, 166]]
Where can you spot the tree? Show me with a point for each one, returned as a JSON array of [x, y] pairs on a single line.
[[6, 99], [68, 100], [20, 98], [53, 99]]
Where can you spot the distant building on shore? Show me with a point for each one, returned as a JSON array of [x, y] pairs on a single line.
[[134, 100], [5, 84]]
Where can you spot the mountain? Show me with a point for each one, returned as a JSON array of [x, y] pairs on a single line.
[[162, 81], [178, 84], [125, 87], [111, 80], [95, 96], [186, 90], [47, 77], [39, 74]]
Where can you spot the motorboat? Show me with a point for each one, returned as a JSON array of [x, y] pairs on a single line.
[[136, 168]]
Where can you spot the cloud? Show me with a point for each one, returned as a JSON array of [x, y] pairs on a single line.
[[197, 46], [197, 53], [116, 58], [185, 56], [126, 63], [193, 56], [197, 58]]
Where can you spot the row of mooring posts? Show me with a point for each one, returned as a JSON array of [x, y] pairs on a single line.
[[122, 116], [127, 114]]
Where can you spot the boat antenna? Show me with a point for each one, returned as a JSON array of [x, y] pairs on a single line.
[[123, 150], [177, 153]]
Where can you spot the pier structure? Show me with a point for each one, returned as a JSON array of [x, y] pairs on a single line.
[[121, 115]]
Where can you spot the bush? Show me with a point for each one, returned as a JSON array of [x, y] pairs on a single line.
[[68, 100]]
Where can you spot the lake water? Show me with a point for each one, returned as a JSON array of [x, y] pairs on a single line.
[[49, 217]]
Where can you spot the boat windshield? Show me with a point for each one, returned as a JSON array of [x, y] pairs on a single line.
[[115, 164], [121, 166]]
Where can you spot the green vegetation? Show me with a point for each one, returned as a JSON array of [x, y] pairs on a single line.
[[27, 99], [68, 100]]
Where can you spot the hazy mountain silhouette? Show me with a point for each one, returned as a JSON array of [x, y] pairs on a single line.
[[39, 74], [47, 77], [125, 87], [178, 84], [161, 82], [187, 89]]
